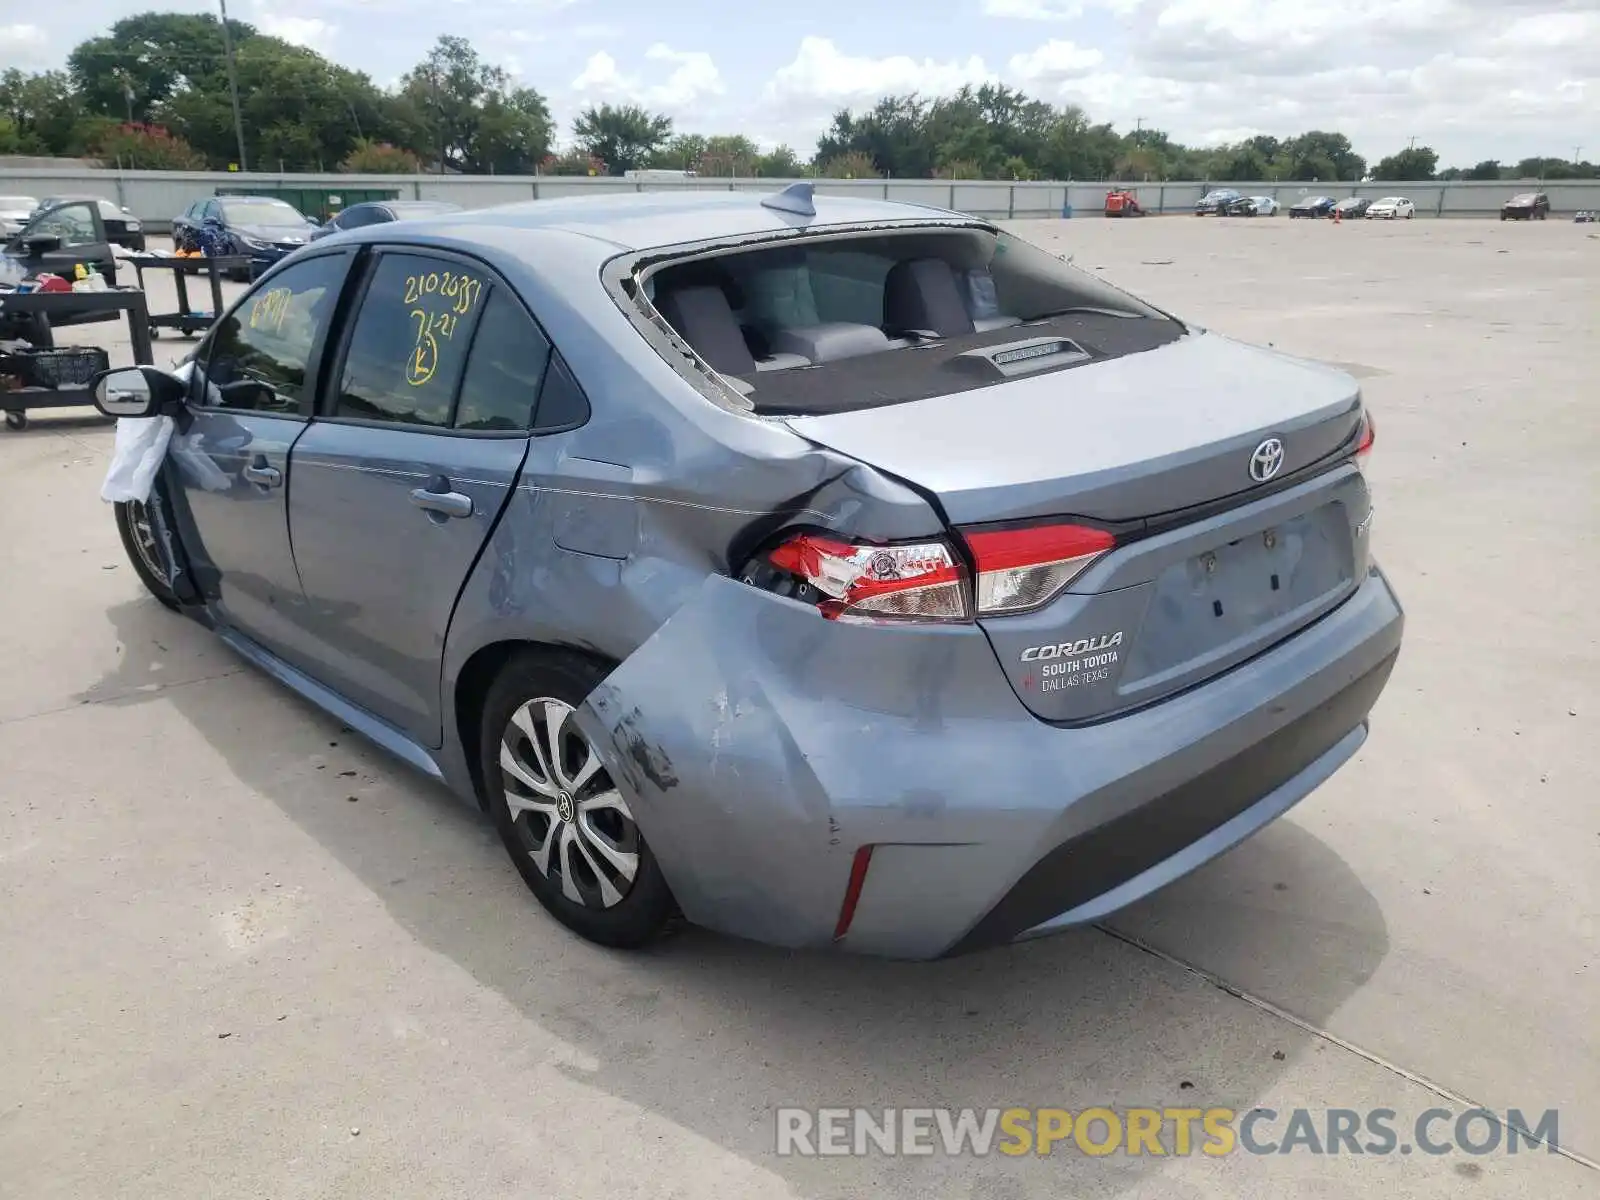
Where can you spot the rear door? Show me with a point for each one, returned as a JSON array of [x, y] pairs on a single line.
[[416, 448]]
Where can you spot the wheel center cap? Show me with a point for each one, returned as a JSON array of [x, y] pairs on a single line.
[[565, 809]]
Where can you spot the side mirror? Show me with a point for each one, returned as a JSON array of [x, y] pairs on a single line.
[[41, 244], [137, 392]]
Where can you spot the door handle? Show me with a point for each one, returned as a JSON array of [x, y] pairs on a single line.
[[262, 475], [446, 504]]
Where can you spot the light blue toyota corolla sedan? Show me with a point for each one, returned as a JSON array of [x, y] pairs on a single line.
[[824, 571]]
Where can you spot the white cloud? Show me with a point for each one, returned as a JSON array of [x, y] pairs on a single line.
[[1054, 61], [599, 74], [693, 77], [311, 32], [22, 45], [1033, 10], [820, 71]]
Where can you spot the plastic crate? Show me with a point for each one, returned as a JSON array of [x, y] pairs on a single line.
[[66, 367]]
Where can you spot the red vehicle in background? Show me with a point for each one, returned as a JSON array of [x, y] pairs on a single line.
[[1123, 204]]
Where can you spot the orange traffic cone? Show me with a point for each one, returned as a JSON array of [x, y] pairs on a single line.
[[1336, 219]]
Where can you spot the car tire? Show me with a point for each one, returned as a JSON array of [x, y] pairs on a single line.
[[569, 831], [133, 527]]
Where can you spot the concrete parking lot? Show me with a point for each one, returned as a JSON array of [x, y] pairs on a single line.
[[244, 954]]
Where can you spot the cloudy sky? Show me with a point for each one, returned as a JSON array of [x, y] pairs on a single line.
[[1472, 78]]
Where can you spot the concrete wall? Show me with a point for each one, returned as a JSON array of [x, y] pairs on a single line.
[[157, 196]]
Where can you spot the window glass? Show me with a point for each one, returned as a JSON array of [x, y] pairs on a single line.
[[74, 225], [410, 340], [355, 218], [257, 357], [562, 404], [507, 365]]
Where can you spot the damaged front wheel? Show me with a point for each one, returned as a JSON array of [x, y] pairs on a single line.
[[139, 540], [568, 828]]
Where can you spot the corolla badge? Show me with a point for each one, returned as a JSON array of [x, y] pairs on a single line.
[[1266, 460]]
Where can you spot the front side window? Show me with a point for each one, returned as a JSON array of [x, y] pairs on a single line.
[[73, 224], [409, 345], [258, 355]]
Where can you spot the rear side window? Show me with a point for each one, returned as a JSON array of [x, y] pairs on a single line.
[[408, 350], [505, 371]]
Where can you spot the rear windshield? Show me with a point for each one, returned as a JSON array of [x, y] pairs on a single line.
[[835, 323]]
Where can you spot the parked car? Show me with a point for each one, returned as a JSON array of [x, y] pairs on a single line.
[[1215, 203], [1352, 208], [1586, 217], [59, 240], [120, 226], [1391, 208], [1526, 206], [674, 544], [378, 212], [1253, 206], [262, 228], [1313, 206], [14, 214]]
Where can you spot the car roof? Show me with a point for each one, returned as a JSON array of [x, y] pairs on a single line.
[[652, 220]]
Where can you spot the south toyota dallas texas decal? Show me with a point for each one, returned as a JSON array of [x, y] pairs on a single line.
[[1073, 664]]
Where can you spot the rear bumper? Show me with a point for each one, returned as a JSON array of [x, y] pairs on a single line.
[[762, 746]]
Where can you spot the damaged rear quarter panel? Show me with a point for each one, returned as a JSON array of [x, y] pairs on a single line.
[[760, 745]]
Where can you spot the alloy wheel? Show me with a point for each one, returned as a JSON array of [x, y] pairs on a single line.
[[144, 542], [568, 816]]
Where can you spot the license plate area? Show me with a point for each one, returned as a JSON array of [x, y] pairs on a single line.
[[1234, 597]]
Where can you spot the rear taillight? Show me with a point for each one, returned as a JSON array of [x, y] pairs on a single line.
[[1367, 435], [1020, 569], [856, 581]]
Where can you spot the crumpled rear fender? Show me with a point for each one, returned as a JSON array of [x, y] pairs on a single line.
[[762, 745]]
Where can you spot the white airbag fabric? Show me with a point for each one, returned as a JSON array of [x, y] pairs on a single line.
[[140, 446]]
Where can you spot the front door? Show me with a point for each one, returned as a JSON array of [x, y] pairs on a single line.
[[250, 402], [420, 435], [81, 237]]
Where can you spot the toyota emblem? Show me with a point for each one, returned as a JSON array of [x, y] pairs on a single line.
[[1266, 460]]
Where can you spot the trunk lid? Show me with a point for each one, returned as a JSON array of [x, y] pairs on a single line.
[[1113, 440], [1131, 443]]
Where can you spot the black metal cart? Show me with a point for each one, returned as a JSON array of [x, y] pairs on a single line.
[[36, 309], [186, 321]]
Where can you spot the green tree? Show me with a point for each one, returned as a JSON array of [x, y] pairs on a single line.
[[379, 158], [780, 163], [10, 139], [852, 164], [146, 148], [145, 60], [473, 120], [1243, 163], [1488, 169], [1319, 156], [1413, 163], [45, 112], [681, 152], [623, 137], [572, 162]]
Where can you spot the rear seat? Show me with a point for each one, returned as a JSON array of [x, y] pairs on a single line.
[[920, 296]]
